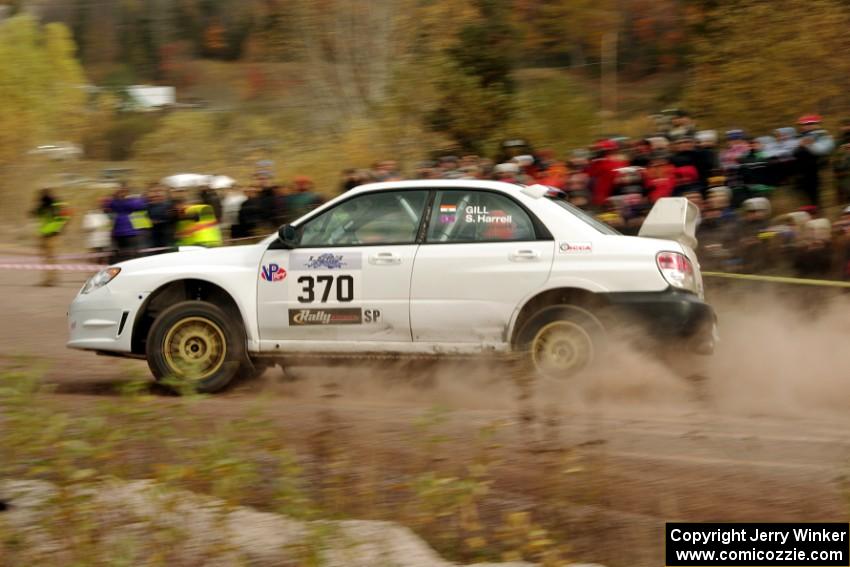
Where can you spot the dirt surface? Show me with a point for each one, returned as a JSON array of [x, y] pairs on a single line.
[[768, 440]]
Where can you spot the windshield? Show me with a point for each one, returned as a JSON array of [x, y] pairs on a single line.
[[588, 219]]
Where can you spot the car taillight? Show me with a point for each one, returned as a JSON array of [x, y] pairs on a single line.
[[677, 270]]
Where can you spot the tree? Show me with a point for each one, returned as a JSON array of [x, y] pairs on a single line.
[[350, 48], [350, 51], [42, 86], [468, 112], [485, 47], [763, 63], [654, 36], [475, 86], [555, 27], [272, 37]]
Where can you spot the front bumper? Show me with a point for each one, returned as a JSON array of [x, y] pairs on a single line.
[[103, 320], [671, 314]]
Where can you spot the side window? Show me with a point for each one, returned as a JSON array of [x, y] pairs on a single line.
[[387, 217], [477, 216]]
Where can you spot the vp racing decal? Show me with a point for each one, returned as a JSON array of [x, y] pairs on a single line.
[[338, 316], [273, 273]]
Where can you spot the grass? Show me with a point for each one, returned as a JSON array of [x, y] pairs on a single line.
[[454, 499]]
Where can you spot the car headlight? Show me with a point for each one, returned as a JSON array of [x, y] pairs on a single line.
[[100, 279]]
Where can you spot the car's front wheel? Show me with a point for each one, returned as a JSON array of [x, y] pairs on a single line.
[[560, 341], [198, 344]]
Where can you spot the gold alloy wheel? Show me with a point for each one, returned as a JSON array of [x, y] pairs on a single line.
[[561, 348], [194, 348]]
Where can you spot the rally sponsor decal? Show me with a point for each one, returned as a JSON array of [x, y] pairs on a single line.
[[325, 261], [273, 273], [338, 316], [575, 247], [371, 315], [324, 277]]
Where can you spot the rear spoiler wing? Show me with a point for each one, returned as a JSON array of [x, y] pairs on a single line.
[[672, 218]]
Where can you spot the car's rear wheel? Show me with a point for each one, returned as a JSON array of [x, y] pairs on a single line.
[[560, 341], [197, 344]]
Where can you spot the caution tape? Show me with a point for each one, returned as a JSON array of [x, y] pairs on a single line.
[[55, 267], [777, 279]]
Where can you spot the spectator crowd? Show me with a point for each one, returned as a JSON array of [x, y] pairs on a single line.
[[732, 178], [162, 217]]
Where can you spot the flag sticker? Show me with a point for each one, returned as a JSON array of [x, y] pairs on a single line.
[[448, 209]]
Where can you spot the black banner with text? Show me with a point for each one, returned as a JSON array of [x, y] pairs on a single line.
[[757, 545]]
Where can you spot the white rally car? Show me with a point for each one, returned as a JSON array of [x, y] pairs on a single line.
[[455, 267]]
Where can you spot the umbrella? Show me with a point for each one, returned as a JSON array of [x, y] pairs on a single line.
[[221, 182], [186, 180]]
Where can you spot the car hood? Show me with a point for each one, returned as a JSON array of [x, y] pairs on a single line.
[[187, 256]]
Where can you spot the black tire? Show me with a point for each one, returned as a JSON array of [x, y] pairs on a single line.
[[560, 341], [253, 368], [196, 343]]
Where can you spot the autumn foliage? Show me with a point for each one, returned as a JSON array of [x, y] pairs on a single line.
[[405, 73]]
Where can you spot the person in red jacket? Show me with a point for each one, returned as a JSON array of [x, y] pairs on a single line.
[[660, 179], [603, 170], [687, 180]]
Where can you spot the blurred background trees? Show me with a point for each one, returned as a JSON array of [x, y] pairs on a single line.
[[42, 93], [765, 63], [328, 83]]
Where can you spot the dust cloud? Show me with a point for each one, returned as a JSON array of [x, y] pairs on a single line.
[[782, 352], [779, 354]]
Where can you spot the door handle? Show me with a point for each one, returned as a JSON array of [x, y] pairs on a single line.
[[385, 259], [524, 255]]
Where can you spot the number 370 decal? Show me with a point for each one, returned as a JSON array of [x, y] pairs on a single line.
[[319, 288]]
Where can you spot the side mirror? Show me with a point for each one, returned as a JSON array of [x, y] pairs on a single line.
[[288, 236]]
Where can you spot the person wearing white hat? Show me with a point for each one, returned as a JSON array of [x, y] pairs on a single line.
[[707, 138], [717, 233], [527, 169], [706, 158], [752, 245], [507, 171], [813, 250], [230, 206]]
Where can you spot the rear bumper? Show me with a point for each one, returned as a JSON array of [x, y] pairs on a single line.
[[671, 314]]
